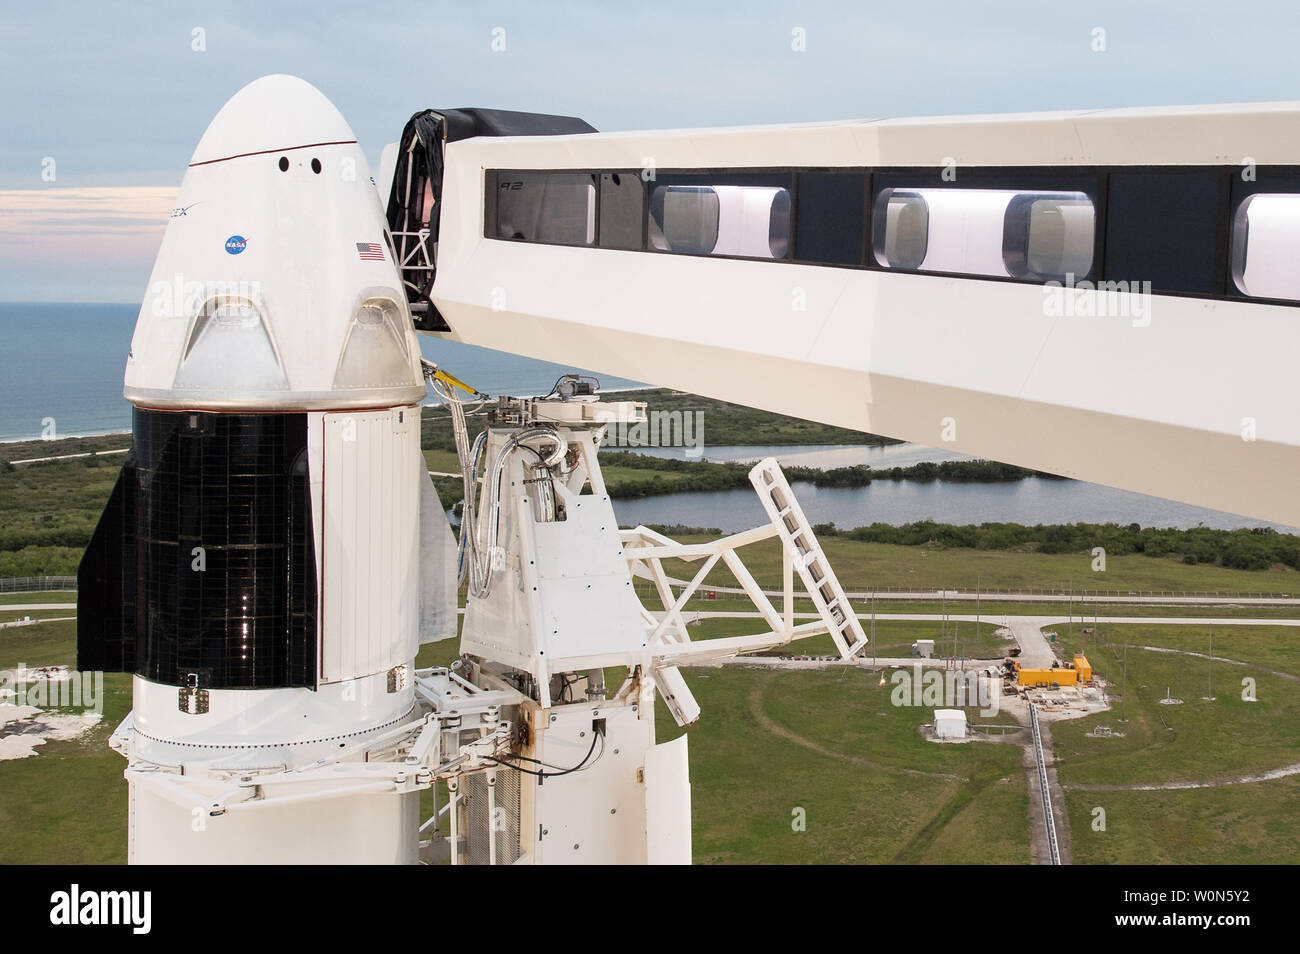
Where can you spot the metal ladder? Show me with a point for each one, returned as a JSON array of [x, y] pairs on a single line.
[[806, 553]]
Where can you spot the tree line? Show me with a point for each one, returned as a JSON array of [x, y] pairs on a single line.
[[1255, 548]]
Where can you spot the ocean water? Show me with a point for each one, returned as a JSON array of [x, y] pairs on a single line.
[[62, 368]]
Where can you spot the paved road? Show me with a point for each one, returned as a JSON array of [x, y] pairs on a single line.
[[864, 662], [41, 460], [5, 607], [1134, 598], [1035, 650], [1001, 620], [1145, 597]]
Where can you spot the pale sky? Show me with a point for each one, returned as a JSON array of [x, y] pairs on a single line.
[[116, 95]]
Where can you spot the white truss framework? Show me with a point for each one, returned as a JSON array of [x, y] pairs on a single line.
[[669, 641]]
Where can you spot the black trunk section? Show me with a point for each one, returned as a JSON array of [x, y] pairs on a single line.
[[202, 570]]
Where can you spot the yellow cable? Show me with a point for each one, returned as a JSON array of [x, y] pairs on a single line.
[[455, 382]]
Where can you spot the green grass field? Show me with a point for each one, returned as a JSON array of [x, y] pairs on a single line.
[[862, 566], [1254, 823], [42, 644], [893, 637], [992, 610], [872, 790], [1196, 740], [67, 804], [1247, 825]]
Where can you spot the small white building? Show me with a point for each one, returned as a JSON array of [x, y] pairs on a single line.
[[923, 648], [949, 724]]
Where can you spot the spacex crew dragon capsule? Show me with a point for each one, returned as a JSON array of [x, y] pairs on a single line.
[[273, 553]]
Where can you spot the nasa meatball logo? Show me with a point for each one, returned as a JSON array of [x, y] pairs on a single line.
[[236, 244]]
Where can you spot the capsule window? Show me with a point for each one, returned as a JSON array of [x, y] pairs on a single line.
[[229, 346], [1001, 233], [684, 219], [1265, 236], [962, 231], [902, 229], [554, 208], [375, 353], [746, 221], [1049, 237]]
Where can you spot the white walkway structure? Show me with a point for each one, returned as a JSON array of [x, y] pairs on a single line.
[[916, 294]]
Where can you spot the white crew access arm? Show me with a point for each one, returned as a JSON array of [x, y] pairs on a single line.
[[902, 278]]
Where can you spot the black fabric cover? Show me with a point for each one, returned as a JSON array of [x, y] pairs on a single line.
[[431, 128], [471, 121]]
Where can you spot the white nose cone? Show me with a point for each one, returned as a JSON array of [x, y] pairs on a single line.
[[270, 114], [275, 286]]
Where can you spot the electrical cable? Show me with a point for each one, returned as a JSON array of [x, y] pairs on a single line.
[[555, 388], [474, 553], [540, 774]]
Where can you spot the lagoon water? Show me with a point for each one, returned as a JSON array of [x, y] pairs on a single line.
[[65, 362], [1030, 501], [825, 456]]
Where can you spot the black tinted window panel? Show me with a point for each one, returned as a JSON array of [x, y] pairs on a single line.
[[830, 217], [1162, 228]]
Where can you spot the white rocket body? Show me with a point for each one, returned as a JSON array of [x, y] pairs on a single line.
[[275, 323]]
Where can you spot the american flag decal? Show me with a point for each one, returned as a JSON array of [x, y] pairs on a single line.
[[370, 251]]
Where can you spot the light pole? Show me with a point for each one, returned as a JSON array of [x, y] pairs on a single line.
[[1123, 688], [1210, 663]]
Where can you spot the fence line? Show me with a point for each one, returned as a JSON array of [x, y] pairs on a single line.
[[37, 584], [1091, 596], [34, 584]]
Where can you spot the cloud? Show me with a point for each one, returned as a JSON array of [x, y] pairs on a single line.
[[119, 96], [81, 244]]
